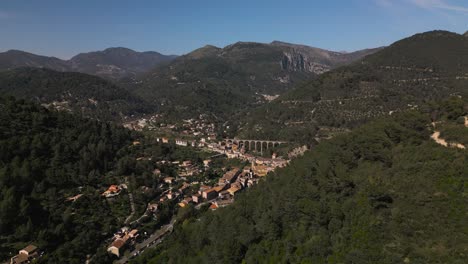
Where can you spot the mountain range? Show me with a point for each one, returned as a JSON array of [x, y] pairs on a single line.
[[407, 74], [111, 63], [80, 93], [244, 74]]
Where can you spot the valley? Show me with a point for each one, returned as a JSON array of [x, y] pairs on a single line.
[[250, 153]]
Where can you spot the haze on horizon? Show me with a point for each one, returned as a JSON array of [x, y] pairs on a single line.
[[56, 28]]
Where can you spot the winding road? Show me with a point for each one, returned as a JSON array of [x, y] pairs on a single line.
[[153, 240]]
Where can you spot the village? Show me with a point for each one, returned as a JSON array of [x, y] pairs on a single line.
[[189, 188], [206, 181]]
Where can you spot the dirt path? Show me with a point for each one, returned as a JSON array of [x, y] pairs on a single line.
[[436, 137]]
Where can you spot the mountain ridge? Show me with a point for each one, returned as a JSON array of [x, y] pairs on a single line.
[[83, 94], [111, 63], [248, 72], [408, 73]]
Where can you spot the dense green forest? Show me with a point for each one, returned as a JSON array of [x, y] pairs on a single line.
[[384, 193], [80, 93], [46, 156], [409, 73]]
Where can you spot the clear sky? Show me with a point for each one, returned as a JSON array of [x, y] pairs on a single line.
[[64, 28]]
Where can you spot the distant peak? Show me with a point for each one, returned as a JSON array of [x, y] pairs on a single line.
[[14, 51], [436, 33], [209, 47], [207, 50], [118, 49], [277, 42]]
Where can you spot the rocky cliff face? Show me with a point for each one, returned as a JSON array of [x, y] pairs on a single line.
[[296, 61], [314, 60]]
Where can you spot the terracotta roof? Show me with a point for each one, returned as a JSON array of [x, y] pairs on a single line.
[[20, 258], [118, 243], [213, 206], [30, 248], [133, 232]]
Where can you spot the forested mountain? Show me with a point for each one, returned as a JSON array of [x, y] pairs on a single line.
[[223, 80], [384, 193], [80, 93], [45, 157], [116, 63], [406, 74], [111, 63], [15, 58]]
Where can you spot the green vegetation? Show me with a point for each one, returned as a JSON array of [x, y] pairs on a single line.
[[80, 93], [46, 157], [223, 81], [384, 193], [409, 73]]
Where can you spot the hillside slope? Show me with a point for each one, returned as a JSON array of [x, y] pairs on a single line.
[[15, 58], [384, 193], [111, 63], [116, 63], [244, 74], [406, 74], [80, 93], [46, 157]]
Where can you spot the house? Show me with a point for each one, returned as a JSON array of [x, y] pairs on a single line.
[[203, 188], [169, 180], [229, 176], [213, 206], [209, 194], [233, 190], [185, 202], [118, 245], [260, 170], [165, 140], [218, 189], [232, 155], [113, 190], [26, 255], [157, 172], [133, 233], [136, 143], [180, 142], [206, 163], [196, 198], [172, 195]]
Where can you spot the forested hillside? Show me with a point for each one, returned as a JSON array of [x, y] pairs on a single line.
[[241, 75], [45, 157], [80, 93], [409, 73], [111, 63], [384, 193]]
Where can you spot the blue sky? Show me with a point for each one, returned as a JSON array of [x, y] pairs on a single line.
[[64, 28]]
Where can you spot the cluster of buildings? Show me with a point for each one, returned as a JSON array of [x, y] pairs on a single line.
[[123, 239], [197, 127], [113, 190], [188, 169], [26, 255]]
